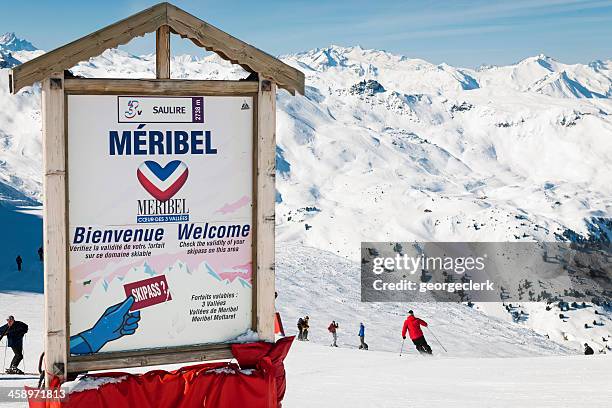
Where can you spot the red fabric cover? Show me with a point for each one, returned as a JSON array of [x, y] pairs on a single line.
[[209, 385], [277, 355], [249, 354], [413, 325], [245, 354], [40, 403]]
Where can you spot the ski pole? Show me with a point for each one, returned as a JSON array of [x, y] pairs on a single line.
[[23, 355], [402, 348], [4, 362], [41, 370], [434, 336]]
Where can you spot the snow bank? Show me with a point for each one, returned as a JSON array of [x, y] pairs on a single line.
[[90, 383]]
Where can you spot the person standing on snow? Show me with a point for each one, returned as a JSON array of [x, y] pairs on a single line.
[[333, 327], [362, 344], [19, 262], [14, 331], [413, 326], [588, 350], [300, 326], [305, 328]]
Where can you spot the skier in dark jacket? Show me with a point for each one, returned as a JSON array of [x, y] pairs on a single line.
[[413, 326], [305, 328], [300, 326], [19, 262], [588, 350], [362, 344], [14, 331]]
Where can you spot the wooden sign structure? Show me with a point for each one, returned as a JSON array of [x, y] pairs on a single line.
[[267, 73]]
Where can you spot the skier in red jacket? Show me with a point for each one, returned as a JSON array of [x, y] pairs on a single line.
[[413, 326]]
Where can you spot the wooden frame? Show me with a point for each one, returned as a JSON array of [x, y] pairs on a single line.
[[264, 96], [267, 73], [265, 153], [102, 86], [162, 18], [55, 228], [148, 357], [162, 52]]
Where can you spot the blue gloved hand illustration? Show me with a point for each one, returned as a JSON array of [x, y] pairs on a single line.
[[115, 322]]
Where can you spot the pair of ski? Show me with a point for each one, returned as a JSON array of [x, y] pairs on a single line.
[[17, 372]]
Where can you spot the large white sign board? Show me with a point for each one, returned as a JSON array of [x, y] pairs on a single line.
[[160, 194]]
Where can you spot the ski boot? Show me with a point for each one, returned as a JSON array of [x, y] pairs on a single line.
[[13, 370]]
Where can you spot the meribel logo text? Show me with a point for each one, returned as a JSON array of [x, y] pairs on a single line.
[[141, 141], [154, 211]]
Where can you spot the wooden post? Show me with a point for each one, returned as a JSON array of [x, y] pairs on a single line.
[[266, 172], [54, 226], [162, 52]]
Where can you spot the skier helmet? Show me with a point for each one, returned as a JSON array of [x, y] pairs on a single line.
[[410, 312]]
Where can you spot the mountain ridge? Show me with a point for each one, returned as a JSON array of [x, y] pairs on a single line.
[[413, 150], [10, 42]]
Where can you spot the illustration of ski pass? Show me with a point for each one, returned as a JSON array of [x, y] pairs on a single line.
[[160, 221]]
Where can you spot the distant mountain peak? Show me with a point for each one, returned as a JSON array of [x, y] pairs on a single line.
[[10, 42], [539, 57], [484, 67], [355, 58]]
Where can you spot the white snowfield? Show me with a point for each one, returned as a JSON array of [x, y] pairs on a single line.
[[320, 376]]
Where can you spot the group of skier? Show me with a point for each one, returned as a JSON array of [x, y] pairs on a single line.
[[412, 327], [303, 327], [333, 330], [19, 259]]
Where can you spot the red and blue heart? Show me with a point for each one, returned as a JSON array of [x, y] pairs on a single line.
[[162, 182]]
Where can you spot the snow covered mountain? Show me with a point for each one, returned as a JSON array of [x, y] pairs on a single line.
[[389, 148], [10, 42], [14, 50], [432, 152], [411, 149]]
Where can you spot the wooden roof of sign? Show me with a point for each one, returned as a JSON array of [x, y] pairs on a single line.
[[180, 22]]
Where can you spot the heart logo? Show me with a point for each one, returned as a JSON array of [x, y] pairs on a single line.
[[162, 182]]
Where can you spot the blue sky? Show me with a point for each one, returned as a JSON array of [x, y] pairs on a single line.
[[463, 33]]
